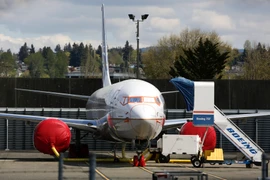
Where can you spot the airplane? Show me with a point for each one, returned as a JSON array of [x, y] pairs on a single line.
[[127, 111], [124, 112]]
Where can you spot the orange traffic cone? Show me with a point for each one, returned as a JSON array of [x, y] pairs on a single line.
[[135, 161], [142, 161]]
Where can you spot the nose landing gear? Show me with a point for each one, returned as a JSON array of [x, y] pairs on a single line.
[[139, 160]]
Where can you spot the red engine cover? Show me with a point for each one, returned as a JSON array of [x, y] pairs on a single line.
[[52, 132], [210, 139]]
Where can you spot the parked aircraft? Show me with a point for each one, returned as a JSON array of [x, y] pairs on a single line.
[[121, 112], [124, 112]]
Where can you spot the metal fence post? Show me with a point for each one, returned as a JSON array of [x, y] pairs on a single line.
[[265, 159], [92, 166], [7, 136], [60, 167]]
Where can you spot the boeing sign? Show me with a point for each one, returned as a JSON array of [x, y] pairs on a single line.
[[203, 119], [242, 140]]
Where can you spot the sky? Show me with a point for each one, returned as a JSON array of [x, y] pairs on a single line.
[[51, 22]]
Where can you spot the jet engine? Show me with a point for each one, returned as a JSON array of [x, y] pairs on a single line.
[[210, 138], [51, 133]]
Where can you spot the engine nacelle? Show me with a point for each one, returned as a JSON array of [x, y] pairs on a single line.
[[210, 139], [50, 133]]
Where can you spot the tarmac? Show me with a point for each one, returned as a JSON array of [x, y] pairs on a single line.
[[33, 165]]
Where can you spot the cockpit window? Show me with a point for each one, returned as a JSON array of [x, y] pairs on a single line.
[[157, 100], [140, 99], [135, 99], [149, 99]]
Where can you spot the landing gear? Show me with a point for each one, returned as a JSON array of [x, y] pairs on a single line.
[[118, 159], [139, 160], [115, 158]]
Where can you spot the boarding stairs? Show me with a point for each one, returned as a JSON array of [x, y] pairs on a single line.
[[236, 136]]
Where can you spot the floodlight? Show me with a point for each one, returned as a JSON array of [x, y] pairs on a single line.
[[137, 21], [131, 16], [145, 16]]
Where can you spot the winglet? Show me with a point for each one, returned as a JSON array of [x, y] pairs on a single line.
[[105, 67]]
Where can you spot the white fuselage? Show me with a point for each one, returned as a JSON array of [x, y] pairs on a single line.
[[132, 110]]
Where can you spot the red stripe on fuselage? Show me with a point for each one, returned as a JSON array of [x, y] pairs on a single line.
[[137, 119], [203, 112]]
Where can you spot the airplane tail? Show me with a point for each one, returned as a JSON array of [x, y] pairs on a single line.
[[199, 97], [105, 63]]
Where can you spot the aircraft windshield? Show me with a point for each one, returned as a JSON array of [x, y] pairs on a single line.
[[140, 99], [149, 99], [135, 99]]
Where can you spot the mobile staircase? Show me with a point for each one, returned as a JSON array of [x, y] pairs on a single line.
[[236, 136], [199, 98]]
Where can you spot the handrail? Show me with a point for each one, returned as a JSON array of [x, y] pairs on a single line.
[[239, 129]]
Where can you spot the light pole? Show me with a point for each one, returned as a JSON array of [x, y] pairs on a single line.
[[137, 21]]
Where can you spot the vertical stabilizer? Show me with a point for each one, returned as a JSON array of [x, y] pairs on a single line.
[[105, 63]]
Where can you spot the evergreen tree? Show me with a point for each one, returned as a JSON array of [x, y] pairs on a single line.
[[204, 62], [67, 48], [74, 55], [24, 52], [261, 48], [32, 49], [99, 51], [127, 50], [82, 54], [57, 48]]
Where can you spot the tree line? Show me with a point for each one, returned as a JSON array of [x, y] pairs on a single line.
[[193, 54], [53, 63], [197, 54]]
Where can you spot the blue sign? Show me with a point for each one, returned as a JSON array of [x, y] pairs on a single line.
[[203, 119]]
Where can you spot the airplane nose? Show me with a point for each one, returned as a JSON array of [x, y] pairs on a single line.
[[143, 112], [143, 121]]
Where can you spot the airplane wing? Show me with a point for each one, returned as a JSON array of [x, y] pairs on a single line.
[[73, 96], [169, 92], [174, 123], [82, 124], [238, 116]]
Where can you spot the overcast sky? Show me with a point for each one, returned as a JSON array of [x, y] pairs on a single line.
[[51, 22]]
